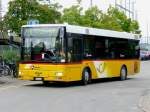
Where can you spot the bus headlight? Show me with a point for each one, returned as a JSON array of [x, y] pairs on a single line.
[[59, 74], [20, 73]]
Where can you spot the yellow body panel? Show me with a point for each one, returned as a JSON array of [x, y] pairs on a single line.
[[73, 71]]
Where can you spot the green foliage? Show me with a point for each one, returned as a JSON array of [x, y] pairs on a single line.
[[20, 11], [2, 26], [11, 55], [122, 20], [113, 19], [48, 14], [73, 15], [93, 17], [135, 27]]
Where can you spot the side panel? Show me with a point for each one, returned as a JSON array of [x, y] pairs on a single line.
[[73, 72], [111, 68]]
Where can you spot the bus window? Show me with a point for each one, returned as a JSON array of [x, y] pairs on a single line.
[[43, 44], [88, 48], [119, 48], [77, 50], [134, 49], [74, 48], [101, 48]]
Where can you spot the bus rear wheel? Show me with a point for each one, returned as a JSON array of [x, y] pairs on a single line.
[[86, 77], [123, 73]]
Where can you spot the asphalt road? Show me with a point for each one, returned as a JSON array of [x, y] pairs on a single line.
[[101, 96]]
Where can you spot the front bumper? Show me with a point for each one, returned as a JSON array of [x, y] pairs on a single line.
[[42, 76]]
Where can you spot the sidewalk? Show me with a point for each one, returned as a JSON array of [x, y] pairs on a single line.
[[144, 103], [7, 80]]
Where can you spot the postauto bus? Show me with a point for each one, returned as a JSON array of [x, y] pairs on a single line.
[[65, 53]]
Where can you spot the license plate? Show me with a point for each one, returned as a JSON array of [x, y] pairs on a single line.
[[38, 79]]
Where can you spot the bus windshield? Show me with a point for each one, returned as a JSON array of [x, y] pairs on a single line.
[[43, 44]]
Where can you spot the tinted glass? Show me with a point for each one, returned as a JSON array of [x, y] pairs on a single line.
[[43, 44], [74, 48]]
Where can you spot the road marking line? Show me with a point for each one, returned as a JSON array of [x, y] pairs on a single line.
[[8, 87]]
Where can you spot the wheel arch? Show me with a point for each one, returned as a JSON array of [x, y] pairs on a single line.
[[89, 70]]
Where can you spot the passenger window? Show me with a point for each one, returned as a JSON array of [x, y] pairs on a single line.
[[88, 48], [77, 49], [101, 48]]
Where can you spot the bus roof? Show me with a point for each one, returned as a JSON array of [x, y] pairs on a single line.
[[90, 31]]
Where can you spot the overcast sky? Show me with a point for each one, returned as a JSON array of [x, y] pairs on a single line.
[[142, 7]]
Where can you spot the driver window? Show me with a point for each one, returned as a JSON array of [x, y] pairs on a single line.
[[74, 48]]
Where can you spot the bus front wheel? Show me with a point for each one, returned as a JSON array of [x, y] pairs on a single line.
[[86, 77], [123, 73]]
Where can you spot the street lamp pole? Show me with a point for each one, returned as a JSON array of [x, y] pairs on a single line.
[[125, 6], [116, 3], [49, 2], [0, 10], [129, 8], [91, 2], [133, 10], [147, 33]]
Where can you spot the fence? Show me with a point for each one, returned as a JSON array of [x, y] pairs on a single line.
[[10, 53]]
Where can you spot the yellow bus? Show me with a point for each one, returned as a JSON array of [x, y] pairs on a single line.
[[65, 53]]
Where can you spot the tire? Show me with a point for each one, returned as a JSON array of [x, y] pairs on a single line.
[[14, 74], [86, 77], [123, 73], [7, 71]]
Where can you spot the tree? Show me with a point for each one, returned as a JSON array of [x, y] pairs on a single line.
[[21, 11], [48, 14], [1, 26], [93, 17], [110, 23], [121, 19], [72, 15], [135, 27], [3, 29], [113, 19]]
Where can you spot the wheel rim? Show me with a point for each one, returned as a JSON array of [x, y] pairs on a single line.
[[123, 73], [86, 76], [6, 72]]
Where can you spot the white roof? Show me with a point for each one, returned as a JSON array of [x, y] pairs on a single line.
[[90, 31]]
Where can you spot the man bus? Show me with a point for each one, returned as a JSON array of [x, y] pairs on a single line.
[[58, 52]]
